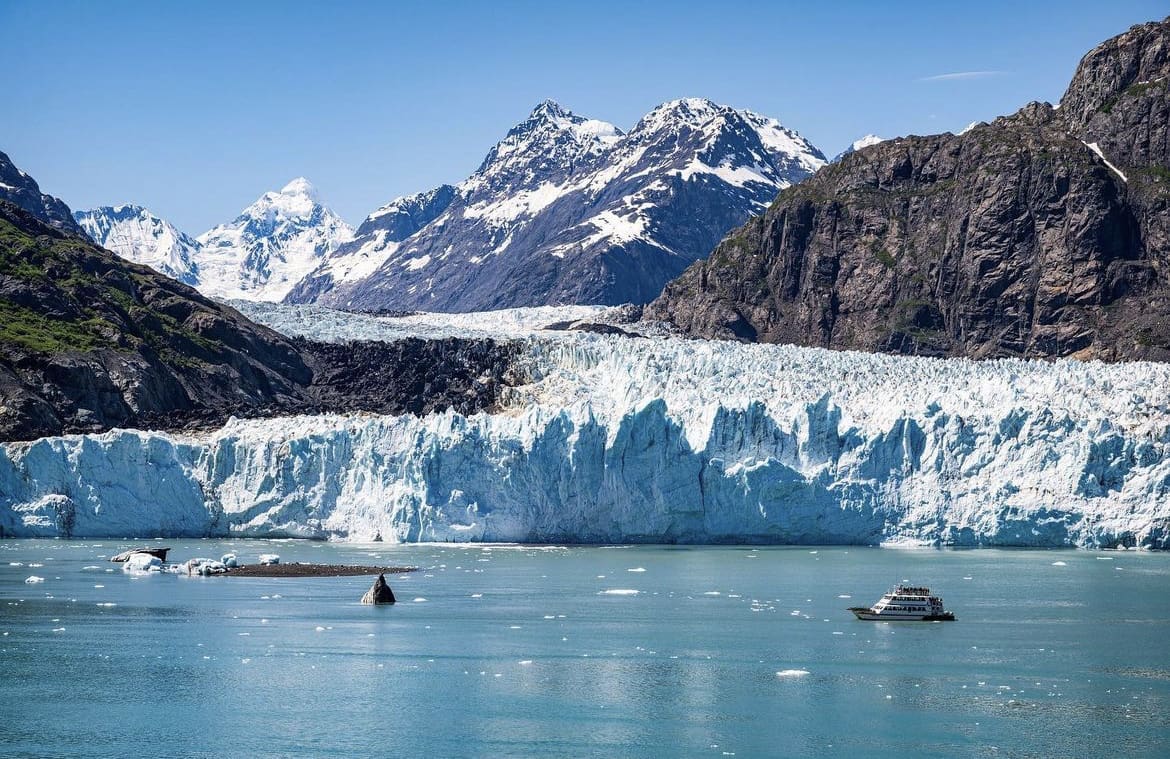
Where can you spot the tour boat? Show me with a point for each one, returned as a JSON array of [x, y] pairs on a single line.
[[905, 604]]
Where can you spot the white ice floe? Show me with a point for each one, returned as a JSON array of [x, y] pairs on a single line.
[[33, 579], [792, 673]]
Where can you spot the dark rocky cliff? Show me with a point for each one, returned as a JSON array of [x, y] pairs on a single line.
[[22, 190], [89, 341], [1016, 238]]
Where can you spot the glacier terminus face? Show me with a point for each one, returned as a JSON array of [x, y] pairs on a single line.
[[646, 439]]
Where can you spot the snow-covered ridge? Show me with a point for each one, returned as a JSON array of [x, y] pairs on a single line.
[[259, 255], [580, 191], [136, 234], [864, 142], [649, 439]]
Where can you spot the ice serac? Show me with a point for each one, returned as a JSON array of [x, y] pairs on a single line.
[[651, 440], [1042, 233], [271, 246], [137, 235], [567, 209]]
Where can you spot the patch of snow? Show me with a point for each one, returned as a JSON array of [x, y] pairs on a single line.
[[1093, 147]]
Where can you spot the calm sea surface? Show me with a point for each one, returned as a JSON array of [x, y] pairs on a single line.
[[626, 652]]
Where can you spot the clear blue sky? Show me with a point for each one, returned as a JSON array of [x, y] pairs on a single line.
[[195, 109]]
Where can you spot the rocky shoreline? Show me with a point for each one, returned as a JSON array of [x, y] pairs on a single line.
[[312, 570]]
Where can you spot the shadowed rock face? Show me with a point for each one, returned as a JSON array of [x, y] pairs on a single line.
[[379, 593], [1015, 238]]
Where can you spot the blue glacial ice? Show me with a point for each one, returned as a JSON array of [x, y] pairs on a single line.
[[647, 440]]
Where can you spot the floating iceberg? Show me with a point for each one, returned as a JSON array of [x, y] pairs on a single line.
[[142, 562], [614, 439]]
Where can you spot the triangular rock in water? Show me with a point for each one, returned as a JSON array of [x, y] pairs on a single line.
[[379, 592]]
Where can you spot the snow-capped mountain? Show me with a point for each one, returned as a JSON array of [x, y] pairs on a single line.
[[271, 245], [567, 209], [136, 234], [864, 142], [259, 255]]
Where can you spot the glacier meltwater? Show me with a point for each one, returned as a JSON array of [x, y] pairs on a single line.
[[646, 439]]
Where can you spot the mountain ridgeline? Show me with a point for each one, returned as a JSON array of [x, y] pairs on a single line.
[[259, 255], [567, 209], [1045, 233]]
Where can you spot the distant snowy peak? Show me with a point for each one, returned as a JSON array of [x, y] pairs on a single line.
[[135, 234], [272, 245], [864, 142]]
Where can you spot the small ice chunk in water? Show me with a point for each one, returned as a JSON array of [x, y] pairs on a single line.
[[33, 579], [619, 592], [1059, 564], [792, 673], [636, 569], [419, 600], [142, 562]]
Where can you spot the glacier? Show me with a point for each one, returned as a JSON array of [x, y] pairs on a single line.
[[615, 439]]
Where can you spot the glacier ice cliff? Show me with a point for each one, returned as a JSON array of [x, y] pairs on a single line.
[[651, 439]]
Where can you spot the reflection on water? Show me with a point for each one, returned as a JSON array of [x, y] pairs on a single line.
[[550, 651]]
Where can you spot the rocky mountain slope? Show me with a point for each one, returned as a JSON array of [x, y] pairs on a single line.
[[1043, 233], [567, 209], [89, 342], [137, 235], [22, 190]]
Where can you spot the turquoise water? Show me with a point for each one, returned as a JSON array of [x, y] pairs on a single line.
[[520, 651]]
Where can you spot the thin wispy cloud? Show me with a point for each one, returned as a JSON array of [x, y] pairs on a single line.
[[957, 75]]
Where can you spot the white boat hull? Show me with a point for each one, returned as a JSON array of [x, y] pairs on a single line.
[[873, 616]]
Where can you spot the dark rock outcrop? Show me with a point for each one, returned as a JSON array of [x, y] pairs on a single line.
[[1015, 238], [22, 190], [411, 376], [379, 592]]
